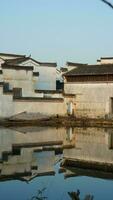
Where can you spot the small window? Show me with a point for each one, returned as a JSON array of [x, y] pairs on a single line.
[[6, 87], [17, 92]]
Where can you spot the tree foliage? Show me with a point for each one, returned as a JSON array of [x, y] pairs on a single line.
[[107, 3]]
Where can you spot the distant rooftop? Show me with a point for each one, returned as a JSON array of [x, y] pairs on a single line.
[[102, 58], [75, 64], [11, 54], [16, 61], [49, 64], [20, 60], [63, 69], [91, 70]]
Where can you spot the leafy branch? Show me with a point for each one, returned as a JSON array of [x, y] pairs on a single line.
[[108, 3]]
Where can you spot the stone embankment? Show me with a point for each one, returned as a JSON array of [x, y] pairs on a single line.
[[26, 119]]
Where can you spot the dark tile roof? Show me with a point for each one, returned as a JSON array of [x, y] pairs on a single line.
[[17, 67], [91, 70], [48, 64], [106, 58], [10, 54], [34, 60], [63, 69], [17, 61], [75, 64]]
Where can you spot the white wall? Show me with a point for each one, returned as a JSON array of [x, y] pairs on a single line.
[[20, 79], [43, 107], [10, 107], [47, 75], [47, 78], [31, 63], [6, 104], [92, 99], [107, 61]]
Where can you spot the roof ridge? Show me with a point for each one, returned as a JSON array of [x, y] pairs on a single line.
[[11, 54], [91, 70], [74, 64], [106, 58]]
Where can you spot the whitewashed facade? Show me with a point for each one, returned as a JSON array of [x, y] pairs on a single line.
[[105, 60], [18, 95], [46, 70], [93, 88]]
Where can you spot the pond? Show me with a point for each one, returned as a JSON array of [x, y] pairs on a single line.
[[33, 163]]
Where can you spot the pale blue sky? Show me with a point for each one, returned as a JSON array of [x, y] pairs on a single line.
[[57, 30]]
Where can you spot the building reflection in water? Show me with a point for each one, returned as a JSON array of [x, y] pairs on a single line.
[[92, 154], [92, 144], [28, 152]]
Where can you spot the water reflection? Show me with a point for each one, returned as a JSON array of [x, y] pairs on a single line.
[[76, 196], [93, 149], [73, 195], [29, 152], [33, 155], [40, 195]]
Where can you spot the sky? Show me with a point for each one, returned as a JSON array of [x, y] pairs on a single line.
[[57, 30]]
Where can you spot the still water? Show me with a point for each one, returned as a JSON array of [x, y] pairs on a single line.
[[30, 159]]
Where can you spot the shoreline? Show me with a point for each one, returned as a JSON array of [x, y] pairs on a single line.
[[86, 167], [68, 121]]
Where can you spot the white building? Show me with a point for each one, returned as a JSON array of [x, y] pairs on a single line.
[[93, 87], [20, 77], [105, 60], [46, 70]]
